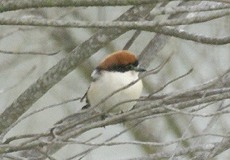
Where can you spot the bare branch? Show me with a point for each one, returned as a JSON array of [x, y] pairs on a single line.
[[145, 143], [179, 152], [132, 39], [192, 36], [151, 26], [30, 114], [177, 78], [142, 25], [31, 53], [147, 109], [11, 5], [187, 9]]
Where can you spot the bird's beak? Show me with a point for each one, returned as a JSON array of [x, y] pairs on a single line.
[[139, 69]]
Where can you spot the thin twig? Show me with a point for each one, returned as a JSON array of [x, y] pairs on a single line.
[[35, 112], [30, 53]]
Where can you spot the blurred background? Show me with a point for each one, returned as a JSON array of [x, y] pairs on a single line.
[[19, 69]]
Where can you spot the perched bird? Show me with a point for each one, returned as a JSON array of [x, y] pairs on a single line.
[[115, 72]]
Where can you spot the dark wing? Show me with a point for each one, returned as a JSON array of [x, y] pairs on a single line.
[[86, 100]]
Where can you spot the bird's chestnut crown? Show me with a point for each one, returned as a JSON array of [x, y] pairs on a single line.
[[120, 61]]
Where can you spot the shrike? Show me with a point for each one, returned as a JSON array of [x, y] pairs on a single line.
[[113, 73]]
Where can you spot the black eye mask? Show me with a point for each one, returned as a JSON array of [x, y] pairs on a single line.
[[122, 67]]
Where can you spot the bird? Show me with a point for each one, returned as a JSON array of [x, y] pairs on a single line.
[[116, 71]]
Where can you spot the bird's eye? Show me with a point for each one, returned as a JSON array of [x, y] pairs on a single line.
[[130, 67]]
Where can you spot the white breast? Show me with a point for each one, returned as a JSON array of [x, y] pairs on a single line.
[[107, 83]]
